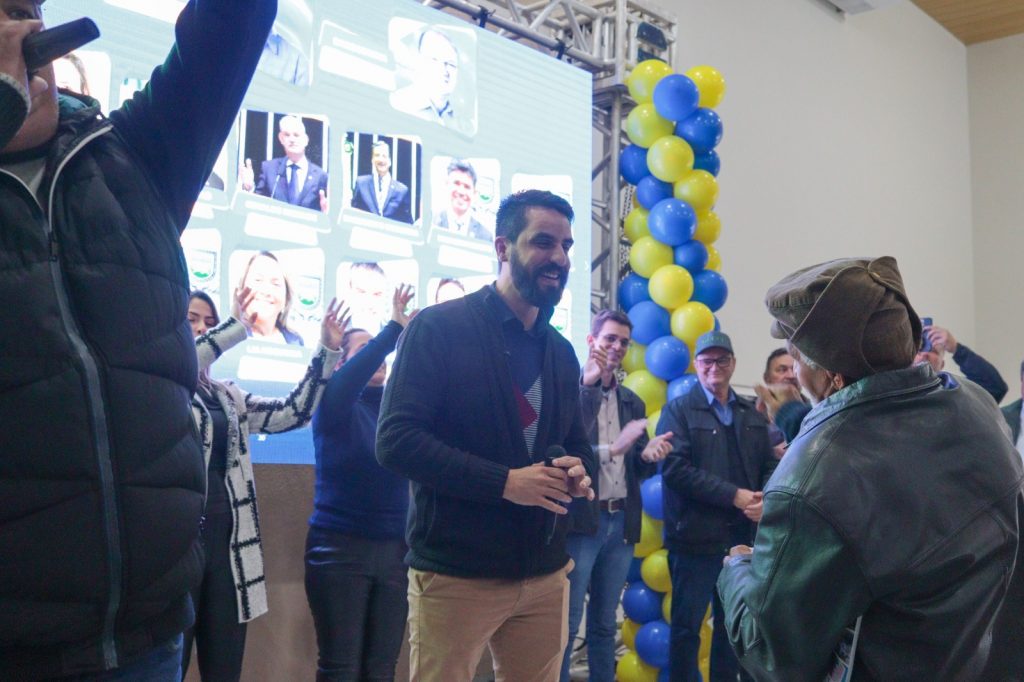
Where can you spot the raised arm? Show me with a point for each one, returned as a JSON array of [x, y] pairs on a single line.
[[177, 124], [274, 415]]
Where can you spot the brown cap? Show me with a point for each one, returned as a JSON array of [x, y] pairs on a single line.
[[850, 316]]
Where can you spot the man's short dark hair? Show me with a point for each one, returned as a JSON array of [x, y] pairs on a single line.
[[778, 352], [381, 143], [608, 315], [511, 219], [462, 166]]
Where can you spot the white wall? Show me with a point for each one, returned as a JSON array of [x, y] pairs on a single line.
[[996, 89], [843, 137]]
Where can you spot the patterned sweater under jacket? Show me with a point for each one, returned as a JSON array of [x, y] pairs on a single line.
[[247, 413]]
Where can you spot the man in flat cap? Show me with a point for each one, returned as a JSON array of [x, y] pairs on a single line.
[[720, 460], [895, 508]]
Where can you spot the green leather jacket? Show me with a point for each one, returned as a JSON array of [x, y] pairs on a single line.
[[898, 501]]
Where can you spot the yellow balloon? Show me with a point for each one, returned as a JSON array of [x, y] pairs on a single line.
[[633, 360], [670, 158], [629, 630], [690, 320], [710, 84], [636, 201], [644, 126], [631, 669], [709, 228], [652, 390], [704, 651], [714, 259], [635, 225], [648, 254], [644, 77], [666, 608], [698, 188], [651, 538], [671, 286], [654, 570], [652, 424]]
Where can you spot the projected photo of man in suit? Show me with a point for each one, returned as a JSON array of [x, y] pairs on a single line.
[[380, 193], [291, 178]]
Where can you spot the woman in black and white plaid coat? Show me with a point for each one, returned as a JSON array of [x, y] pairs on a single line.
[[233, 590]]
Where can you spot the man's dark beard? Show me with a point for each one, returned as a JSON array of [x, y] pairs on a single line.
[[526, 282]]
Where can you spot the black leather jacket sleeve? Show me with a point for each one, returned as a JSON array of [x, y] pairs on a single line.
[[786, 607]]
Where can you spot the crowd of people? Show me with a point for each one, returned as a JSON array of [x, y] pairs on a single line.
[[479, 493]]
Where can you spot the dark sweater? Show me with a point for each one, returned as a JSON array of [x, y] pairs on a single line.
[[354, 494], [450, 423]]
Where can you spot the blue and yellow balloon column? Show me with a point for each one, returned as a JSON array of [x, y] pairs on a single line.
[[671, 297]]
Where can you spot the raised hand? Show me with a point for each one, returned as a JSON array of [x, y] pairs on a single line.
[[332, 328], [774, 396], [246, 176], [12, 62], [244, 298], [595, 366], [399, 302], [629, 434]]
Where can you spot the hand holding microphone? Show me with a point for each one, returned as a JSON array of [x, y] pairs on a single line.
[[559, 478]]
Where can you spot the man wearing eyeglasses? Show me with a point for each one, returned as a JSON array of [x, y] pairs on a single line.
[[720, 459]]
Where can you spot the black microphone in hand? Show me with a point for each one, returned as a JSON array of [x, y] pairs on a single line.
[[39, 49], [553, 452]]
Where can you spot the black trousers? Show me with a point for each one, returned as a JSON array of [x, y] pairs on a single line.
[[356, 589], [219, 637]]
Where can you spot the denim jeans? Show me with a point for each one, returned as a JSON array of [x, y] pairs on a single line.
[[693, 585], [160, 664], [602, 562]]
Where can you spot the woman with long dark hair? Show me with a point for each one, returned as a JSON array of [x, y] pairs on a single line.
[[355, 550], [233, 589]]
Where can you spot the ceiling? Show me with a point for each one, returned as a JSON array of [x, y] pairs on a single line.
[[975, 21]]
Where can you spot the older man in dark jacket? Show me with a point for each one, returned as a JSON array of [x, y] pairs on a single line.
[[898, 503], [720, 459], [102, 473]]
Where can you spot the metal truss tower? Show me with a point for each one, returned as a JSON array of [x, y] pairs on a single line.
[[606, 38]]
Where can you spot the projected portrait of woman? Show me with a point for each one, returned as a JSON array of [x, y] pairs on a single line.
[[271, 302]]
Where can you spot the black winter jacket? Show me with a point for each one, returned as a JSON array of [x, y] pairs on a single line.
[[449, 422], [101, 473], [697, 493]]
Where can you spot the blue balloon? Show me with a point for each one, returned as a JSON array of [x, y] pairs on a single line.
[[650, 322], [692, 255], [632, 290], [650, 493], [672, 222], [667, 357], [708, 161], [652, 643], [641, 603], [710, 289], [702, 129], [677, 388], [633, 164], [634, 575], [651, 190], [675, 97]]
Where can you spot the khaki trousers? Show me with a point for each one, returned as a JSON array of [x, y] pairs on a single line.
[[451, 620]]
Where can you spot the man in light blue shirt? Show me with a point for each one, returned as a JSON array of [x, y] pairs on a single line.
[[720, 460]]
